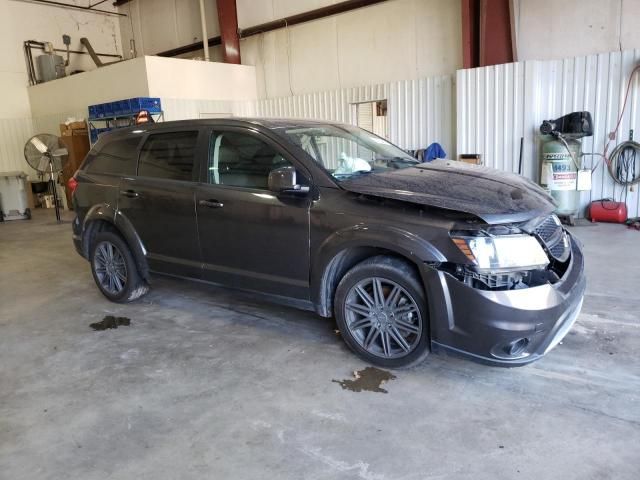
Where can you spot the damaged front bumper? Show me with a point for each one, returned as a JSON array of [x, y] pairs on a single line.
[[507, 327]]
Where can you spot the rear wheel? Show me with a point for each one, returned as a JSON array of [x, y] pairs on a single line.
[[381, 311], [114, 269]]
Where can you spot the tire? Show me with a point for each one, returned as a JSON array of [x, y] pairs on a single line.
[[365, 322], [126, 284]]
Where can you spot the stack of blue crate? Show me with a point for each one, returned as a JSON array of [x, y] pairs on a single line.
[[118, 109], [124, 108]]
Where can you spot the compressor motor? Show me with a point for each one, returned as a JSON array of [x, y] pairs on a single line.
[[560, 161]]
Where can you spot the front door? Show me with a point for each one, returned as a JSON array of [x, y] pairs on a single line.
[[250, 237], [159, 201]]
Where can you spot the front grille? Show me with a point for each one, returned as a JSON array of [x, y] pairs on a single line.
[[554, 238]]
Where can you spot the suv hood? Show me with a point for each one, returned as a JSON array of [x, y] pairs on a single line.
[[492, 195]]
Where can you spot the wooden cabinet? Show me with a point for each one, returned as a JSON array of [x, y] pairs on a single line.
[[77, 143]]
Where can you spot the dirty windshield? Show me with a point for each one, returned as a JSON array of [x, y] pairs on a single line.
[[347, 151]]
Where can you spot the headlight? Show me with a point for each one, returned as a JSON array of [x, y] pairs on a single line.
[[521, 252]]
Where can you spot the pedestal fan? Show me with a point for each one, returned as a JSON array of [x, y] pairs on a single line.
[[46, 154]]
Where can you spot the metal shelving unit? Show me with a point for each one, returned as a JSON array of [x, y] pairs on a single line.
[[99, 125], [104, 117]]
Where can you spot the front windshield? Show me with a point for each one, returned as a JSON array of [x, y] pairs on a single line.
[[346, 151]]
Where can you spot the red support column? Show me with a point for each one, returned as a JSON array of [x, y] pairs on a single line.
[[228, 19], [495, 32], [486, 33], [470, 34]]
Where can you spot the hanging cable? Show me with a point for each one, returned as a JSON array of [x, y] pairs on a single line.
[[614, 133], [623, 164]]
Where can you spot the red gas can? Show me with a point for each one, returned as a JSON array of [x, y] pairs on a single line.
[[608, 211]]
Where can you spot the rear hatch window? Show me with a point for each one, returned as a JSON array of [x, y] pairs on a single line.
[[118, 157]]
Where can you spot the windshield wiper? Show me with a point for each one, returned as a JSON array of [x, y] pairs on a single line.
[[400, 161], [352, 174]]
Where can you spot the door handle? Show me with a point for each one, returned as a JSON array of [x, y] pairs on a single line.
[[211, 203], [130, 193]]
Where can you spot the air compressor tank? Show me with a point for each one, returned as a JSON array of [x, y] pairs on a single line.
[[561, 157], [559, 172]]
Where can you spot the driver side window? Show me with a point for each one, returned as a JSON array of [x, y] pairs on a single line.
[[241, 160]]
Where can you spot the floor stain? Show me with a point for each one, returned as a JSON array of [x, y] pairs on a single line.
[[369, 379], [111, 322]]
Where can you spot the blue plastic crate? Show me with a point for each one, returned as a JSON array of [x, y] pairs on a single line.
[[107, 109], [93, 111], [121, 107], [99, 110], [150, 104]]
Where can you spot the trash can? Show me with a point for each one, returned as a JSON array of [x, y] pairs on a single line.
[[13, 196]]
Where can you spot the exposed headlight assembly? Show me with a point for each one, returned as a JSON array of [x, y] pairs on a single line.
[[499, 253]]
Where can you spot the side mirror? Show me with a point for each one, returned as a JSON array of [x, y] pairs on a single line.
[[283, 180]]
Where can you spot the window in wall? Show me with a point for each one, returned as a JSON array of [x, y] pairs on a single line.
[[168, 155], [372, 116], [242, 160]]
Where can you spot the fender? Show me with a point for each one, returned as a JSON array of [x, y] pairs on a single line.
[[394, 239], [107, 213]]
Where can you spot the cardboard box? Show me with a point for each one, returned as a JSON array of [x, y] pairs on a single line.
[[75, 133], [48, 201], [472, 158], [78, 147], [31, 198], [73, 128]]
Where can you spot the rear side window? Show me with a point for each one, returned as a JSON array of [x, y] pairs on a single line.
[[168, 155], [116, 157]]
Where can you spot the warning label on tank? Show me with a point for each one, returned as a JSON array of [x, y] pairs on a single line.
[[558, 176]]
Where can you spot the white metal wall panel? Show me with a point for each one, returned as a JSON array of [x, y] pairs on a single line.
[[182, 109], [420, 112], [14, 133], [497, 105]]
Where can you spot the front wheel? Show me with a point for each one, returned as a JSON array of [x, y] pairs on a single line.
[[114, 269], [381, 311]]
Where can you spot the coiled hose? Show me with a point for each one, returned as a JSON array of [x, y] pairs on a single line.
[[624, 165]]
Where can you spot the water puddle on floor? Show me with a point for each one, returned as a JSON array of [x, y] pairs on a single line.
[[369, 379], [111, 322]]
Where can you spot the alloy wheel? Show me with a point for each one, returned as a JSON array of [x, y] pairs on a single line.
[[383, 318], [110, 267]]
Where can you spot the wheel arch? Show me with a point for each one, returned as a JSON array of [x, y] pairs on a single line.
[[346, 248], [104, 217]]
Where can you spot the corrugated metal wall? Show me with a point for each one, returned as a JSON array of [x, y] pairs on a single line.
[[14, 133], [180, 109], [498, 105], [420, 112]]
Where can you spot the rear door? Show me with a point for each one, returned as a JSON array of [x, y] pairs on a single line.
[[159, 200], [250, 237], [100, 174]]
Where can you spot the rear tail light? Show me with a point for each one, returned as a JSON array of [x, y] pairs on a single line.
[[73, 183]]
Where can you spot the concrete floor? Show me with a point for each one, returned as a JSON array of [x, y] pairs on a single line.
[[207, 383]]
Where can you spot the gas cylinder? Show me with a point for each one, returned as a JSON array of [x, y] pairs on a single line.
[[559, 172]]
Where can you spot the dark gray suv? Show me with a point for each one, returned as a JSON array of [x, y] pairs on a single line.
[[328, 217]]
